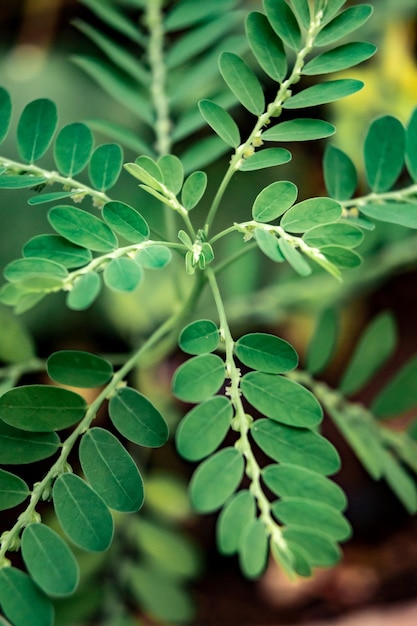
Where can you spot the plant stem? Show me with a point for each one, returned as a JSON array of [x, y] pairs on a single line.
[[400, 195]]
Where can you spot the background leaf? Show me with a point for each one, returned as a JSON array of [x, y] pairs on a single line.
[[410, 143], [323, 343], [5, 112], [399, 394]]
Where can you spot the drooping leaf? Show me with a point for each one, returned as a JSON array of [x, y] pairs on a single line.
[[32, 267], [36, 128], [193, 190], [253, 549], [22, 447], [84, 291], [41, 408], [303, 129], [241, 79], [339, 173], [122, 274], [274, 200], [13, 490], [268, 244], [384, 152], [82, 228], [20, 181], [5, 112], [221, 122], [77, 368], [73, 147], [199, 337], [323, 93], [341, 257], [281, 399], [49, 560], [344, 23], [399, 394], [154, 257], [216, 479], [203, 429], [410, 146], [319, 550], [172, 172], [294, 258], [22, 601], [266, 353], [58, 249], [284, 22], [292, 481], [237, 513], [105, 166], [266, 46], [375, 346], [310, 213], [342, 234], [323, 343], [199, 378], [125, 221], [268, 157], [307, 513], [82, 513], [403, 214], [137, 419], [111, 471], [340, 58], [299, 446]]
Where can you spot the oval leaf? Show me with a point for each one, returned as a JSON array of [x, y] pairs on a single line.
[[154, 257], [28, 268], [13, 490], [319, 550], [268, 157], [77, 368], [58, 249], [221, 122], [105, 166], [346, 22], [21, 447], [22, 601], [216, 479], [36, 128], [284, 22], [199, 378], [199, 337], [303, 129], [125, 221], [73, 147], [314, 515], [384, 153], [172, 172], [193, 190], [122, 274], [310, 213], [266, 46], [340, 58], [82, 228], [266, 353], [253, 549], [344, 235], [339, 174], [236, 514], [274, 200], [241, 79], [323, 93], [84, 291]]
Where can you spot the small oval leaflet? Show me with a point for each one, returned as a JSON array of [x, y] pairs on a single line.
[[298, 446], [221, 122], [216, 479], [172, 172], [313, 515], [344, 23], [193, 190], [77, 368], [253, 549], [268, 244], [199, 337], [41, 408], [13, 490], [282, 400], [85, 290], [36, 128], [111, 471], [239, 511], [73, 147], [342, 257], [125, 221], [242, 80], [82, 228], [28, 268], [266, 46], [58, 249], [340, 58], [105, 166], [19, 446], [82, 513], [203, 428], [339, 173], [22, 601], [274, 200], [136, 418], [384, 153], [199, 378], [266, 353], [49, 560], [318, 549], [303, 129], [154, 257], [310, 213], [122, 274], [268, 157], [345, 235], [284, 22]]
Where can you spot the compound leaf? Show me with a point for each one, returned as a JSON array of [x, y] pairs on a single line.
[[22, 601], [105, 166], [77, 368], [216, 479], [82, 228], [303, 129], [73, 147], [13, 490], [266, 353], [384, 152], [221, 122], [36, 128], [241, 79], [199, 378], [274, 200]]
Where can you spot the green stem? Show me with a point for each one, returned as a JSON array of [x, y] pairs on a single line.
[[401, 195]]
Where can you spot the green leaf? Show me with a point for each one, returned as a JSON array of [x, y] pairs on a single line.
[[49, 560], [268, 244], [402, 214], [323, 93], [73, 147], [82, 513], [5, 113], [399, 395], [310, 213], [337, 255], [113, 17], [13, 490], [294, 258], [136, 418], [281, 399], [375, 347], [302, 12], [122, 274], [274, 200], [266, 46], [22, 447], [85, 290], [125, 221], [199, 378], [302, 129], [241, 79], [201, 154], [410, 143], [338, 233], [253, 549], [188, 12], [43, 198], [172, 172], [147, 171], [291, 481], [199, 337], [384, 152], [111, 471], [401, 483], [203, 428], [32, 267], [36, 128], [82, 228], [299, 446], [105, 166], [221, 122], [283, 22], [268, 157], [340, 58], [314, 515], [58, 249], [20, 181], [266, 353], [339, 174], [193, 190], [41, 408], [22, 601], [216, 479], [323, 343], [16, 344], [319, 550], [77, 368], [239, 511], [346, 22], [332, 7], [154, 257]]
